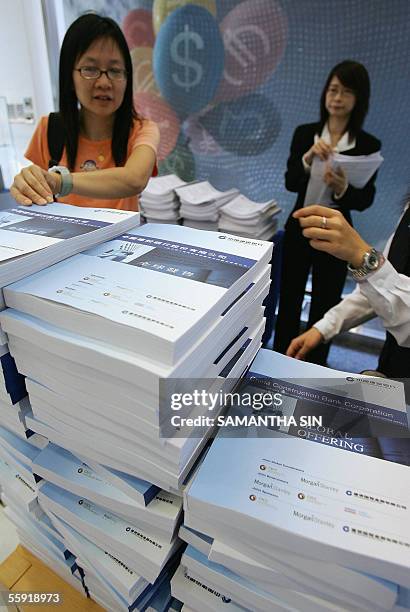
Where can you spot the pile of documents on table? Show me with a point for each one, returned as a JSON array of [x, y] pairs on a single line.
[[94, 335], [32, 238], [100, 330], [115, 544], [201, 203], [303, 518], [159, 202], [247, 218], [19, 493]]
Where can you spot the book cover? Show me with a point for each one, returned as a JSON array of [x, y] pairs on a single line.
[[64, 469], [314, 499], [142, 548], [116, 285]]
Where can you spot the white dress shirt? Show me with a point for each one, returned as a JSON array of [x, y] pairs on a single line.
[[384, 293], [344, 144], [318, 192]]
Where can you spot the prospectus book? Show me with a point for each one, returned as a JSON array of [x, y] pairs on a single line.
[[157, 288], [309, 496]]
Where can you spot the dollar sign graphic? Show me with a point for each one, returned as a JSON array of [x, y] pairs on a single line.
[[192, 73]]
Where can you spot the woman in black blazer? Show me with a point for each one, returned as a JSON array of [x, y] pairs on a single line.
[[343, 107]]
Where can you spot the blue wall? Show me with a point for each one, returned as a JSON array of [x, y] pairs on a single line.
[[319, 34]]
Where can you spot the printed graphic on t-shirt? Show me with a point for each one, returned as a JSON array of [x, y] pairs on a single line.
[[88, 165]]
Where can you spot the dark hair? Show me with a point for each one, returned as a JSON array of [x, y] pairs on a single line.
[[354, 76], [79, 36]]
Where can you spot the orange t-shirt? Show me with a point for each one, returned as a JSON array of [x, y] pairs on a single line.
[[93, 155]]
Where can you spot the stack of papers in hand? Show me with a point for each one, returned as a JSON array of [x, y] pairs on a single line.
[[97, 332], [247, 218], [315, 518], [358, 168], [200, 204], [159, 202]]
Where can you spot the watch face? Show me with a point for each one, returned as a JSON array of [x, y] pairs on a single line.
[[372, 261]]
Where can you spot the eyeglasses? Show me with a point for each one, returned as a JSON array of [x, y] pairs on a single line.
[[92, 73], [344, 93]]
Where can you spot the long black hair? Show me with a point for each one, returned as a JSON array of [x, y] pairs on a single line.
[[79, 36], [353, 75]]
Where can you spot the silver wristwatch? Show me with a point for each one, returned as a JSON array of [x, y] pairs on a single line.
[[66, 180], [372, 260]]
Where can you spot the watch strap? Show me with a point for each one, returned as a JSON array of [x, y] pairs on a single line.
[[372, 261], [66, 180]]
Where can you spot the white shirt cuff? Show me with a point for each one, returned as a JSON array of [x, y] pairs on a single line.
[[325, 328], [383, 280]]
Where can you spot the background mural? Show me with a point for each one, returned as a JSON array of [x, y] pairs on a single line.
[[229, 80]]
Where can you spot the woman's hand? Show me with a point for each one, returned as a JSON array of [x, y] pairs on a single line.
[[303, 344], [33, 185], [328, 231], [336, 179], [321, 149]]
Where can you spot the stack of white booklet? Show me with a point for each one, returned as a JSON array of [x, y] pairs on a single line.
[[110, 581], [32, 238], [317, 517], [227, 575], [39, 536], [247, 218], [17, 481], [20, 496], [13, 416], [96, 333], [127, 551], [141, 549], [160, 517], [19, 453], [200, 204], [159, 202], [27, 470]]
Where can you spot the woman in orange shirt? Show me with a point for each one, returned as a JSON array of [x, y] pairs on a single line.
[[109, 151]]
